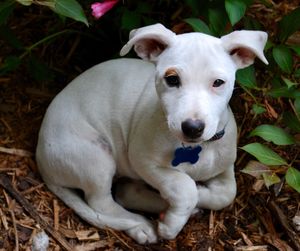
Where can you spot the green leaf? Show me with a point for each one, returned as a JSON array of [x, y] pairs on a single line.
[[284, 91], [297, 73], [292, 177], [270, 179], [6, 8], [283, 57], [25, 2], [10, 63], [130, 20], [273, 133], [264, 154], [296, 48], [235, 9], [258, 109], [291, 121], [71, 9], [277, 82], [289, 83], [246, 77], [256, 169], [248, 2], [252, 24], [217, 21], [195, 6], [289, 24], [198, 25]]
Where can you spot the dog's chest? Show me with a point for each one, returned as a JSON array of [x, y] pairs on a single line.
[[209, 164]]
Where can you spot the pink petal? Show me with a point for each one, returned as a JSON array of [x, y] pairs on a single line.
[[99, 9]]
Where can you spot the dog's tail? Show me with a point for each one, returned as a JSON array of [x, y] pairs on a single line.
[[72, 199]]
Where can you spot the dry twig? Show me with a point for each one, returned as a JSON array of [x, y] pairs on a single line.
[[5, 182], [281, 218], [18, 152]]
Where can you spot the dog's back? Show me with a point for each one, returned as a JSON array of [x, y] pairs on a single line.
[[103, 99]]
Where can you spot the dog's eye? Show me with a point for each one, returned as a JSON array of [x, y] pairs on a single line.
[[173, 81], [218, 83]]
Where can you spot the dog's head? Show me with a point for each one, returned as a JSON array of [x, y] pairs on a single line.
[[195, 74]]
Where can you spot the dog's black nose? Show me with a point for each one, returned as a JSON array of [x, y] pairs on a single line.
[[192, 129]]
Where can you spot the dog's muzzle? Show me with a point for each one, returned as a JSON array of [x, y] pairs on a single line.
[[192, 129]]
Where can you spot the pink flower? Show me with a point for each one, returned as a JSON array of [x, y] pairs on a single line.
[[99, 9]]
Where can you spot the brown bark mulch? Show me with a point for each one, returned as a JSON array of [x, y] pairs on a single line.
[[259, 218]]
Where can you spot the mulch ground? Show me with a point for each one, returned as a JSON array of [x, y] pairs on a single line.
[[258, 219]]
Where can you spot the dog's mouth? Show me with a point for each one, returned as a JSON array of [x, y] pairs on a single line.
[[187, 140], [218, 135]]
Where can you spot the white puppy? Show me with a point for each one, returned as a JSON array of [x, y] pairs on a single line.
[[166, 123]]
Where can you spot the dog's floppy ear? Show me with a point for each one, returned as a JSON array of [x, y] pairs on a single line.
[[245, 45], [149, 41]]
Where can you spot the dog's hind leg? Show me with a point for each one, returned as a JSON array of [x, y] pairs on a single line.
[[136, 195], [90, 168], [135, 226], [98, 195]]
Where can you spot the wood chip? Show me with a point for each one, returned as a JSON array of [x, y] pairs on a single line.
[[92, 246], [14, 151], [258, 185], [87, 235], [277, 242], [246, 239], [56, 214], [211, 223], [69, 233], [31, 189], [3, 220], [11, 210], [252, 248]]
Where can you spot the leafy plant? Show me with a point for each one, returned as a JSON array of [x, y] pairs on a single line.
[[283, 85], [39, 70], [66, 8], [126, 16]]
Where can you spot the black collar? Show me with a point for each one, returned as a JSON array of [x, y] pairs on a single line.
[[217, 136]]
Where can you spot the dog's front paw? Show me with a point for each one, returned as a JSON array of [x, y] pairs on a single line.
[[143, 233], [171, 224], [167, 232]]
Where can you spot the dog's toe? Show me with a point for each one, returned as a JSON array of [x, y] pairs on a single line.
[[166, 232], [143, 233]]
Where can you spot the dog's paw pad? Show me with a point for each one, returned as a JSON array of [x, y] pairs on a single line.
[[143, 233], [166, 232]]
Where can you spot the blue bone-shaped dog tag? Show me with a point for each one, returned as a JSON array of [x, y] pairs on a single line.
[[186, 154]]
